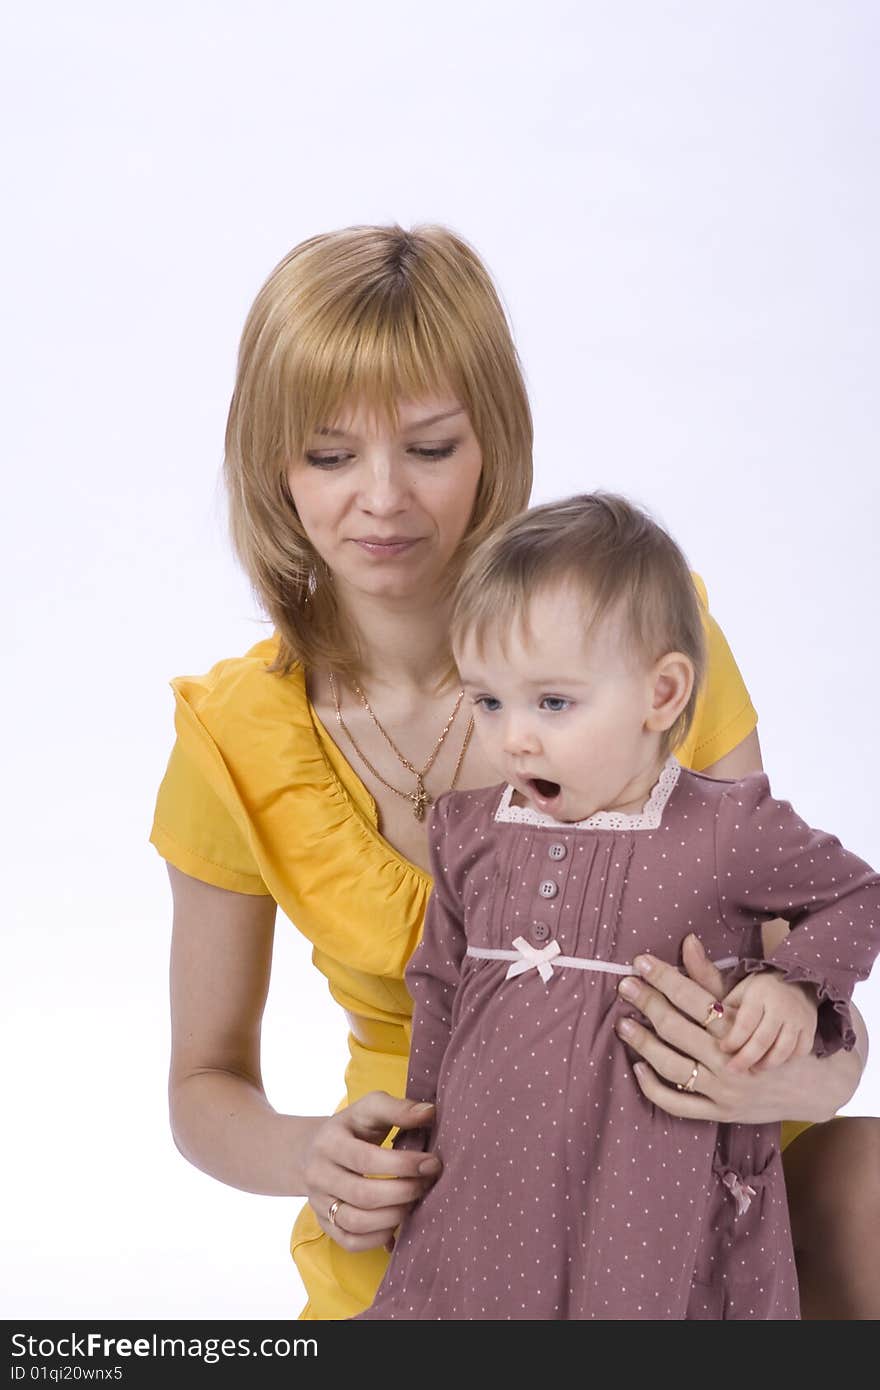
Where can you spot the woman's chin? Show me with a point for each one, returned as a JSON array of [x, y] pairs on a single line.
[[395, 588], [399, 583]]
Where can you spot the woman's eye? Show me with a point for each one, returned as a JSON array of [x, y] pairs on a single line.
[[442, 451], [488, 703], [555, 703], [327, 460]]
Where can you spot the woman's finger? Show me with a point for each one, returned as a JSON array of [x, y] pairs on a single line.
[[670, 1024], [671, 1065], [378, 1112], [372, 1194], [372, 1186], [370, 1160], [685, 1104], [338, 1229], [334, 1171], [681, 991], [354, 1221], [744, 1098], [700, 968]]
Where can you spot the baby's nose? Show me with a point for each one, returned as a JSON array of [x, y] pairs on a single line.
[[519, 738]]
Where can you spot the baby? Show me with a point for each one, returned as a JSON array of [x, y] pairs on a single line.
[[565, 1193]]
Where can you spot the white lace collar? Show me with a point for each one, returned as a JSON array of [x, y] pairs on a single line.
[[647, 819]]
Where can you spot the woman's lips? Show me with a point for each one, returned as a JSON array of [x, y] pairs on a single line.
[[386, 549]]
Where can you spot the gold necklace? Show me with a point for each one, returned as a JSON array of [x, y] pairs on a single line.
[[420, 798]]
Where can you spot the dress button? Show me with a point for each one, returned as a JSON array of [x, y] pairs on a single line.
[[540, 931], [548, 889], [557, 851]]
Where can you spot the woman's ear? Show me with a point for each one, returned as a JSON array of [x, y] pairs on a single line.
[[672, 682]]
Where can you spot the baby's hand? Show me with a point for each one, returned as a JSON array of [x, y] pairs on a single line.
[[774, 1022]]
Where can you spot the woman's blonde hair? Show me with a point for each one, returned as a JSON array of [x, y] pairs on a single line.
[[612, 554], [363, 316]]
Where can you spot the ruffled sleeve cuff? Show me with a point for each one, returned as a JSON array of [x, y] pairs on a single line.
[[834, 1028]]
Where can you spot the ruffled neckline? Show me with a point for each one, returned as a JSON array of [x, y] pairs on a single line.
[[315, 840], [648, 818], [342, 780], [350, 786]]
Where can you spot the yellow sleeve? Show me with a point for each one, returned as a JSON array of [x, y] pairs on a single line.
[[195, 832], [725, 714]]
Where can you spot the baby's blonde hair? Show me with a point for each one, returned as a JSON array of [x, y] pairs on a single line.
[[363, 317], [609, 551]]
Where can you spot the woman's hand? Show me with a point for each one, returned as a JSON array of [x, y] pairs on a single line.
[[370, 1189], [676, 1005]]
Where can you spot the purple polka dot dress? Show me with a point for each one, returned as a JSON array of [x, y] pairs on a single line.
[[565, 1193]]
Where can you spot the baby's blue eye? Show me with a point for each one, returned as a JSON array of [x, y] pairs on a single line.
[[555, 703], [487, 703]]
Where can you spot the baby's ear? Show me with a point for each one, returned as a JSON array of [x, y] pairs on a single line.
[[672, 682]]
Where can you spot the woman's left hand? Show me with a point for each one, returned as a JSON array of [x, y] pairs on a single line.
[[676, 1006]]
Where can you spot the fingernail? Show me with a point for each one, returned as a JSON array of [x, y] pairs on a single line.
[[626, 1027], [423, 1105], [429, 1165], [641, 1070], [644, 964], [629, 988]]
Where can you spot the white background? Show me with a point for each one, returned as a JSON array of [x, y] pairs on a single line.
[[679, 202]]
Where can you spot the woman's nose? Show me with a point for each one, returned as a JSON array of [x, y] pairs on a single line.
[[383, 492]]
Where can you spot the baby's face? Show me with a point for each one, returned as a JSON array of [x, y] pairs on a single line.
[[562, 716]]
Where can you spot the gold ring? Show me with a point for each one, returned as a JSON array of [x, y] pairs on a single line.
[[689, 1084], [331, 1215], [716, 1010]]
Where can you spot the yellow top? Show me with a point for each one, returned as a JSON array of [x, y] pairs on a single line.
[[257, 798]]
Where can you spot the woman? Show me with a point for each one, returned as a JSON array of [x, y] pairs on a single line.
[[378, 430]]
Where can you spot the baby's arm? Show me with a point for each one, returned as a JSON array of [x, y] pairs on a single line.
[[769, 864], [432, 978]]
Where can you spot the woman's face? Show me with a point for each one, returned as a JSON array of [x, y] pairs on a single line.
[[385, 507]]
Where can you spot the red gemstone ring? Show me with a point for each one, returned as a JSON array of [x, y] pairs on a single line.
[[716, 1010]]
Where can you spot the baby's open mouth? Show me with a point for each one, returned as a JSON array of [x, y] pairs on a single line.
[[547, 791]]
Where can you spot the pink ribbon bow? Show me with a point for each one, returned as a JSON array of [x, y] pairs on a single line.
[[533, 959], [740, 1191]]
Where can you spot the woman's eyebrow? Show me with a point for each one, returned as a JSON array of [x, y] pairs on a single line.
[[433, 420], [416, 424]]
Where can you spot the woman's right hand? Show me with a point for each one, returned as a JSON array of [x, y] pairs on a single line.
[[344, 1163]]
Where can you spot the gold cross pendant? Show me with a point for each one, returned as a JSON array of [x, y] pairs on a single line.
[[420, 800]]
